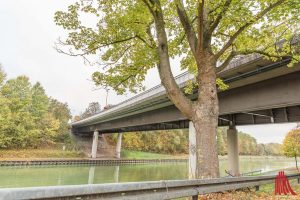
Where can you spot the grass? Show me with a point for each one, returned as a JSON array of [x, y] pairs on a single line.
[[30, 154]]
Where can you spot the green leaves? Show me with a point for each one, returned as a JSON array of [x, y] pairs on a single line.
[[122, 38], [27, 117]]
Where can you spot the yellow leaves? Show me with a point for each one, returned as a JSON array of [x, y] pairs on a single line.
[[221, 85], [248, 195], [291, 143]]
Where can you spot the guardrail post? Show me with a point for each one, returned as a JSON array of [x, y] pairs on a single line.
[[233, 151], [257, 188], [192, 151], [95, 144]]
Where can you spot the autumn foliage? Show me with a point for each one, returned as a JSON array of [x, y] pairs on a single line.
[[28, 117]]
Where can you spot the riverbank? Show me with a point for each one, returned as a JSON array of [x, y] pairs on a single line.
[[34, 154]]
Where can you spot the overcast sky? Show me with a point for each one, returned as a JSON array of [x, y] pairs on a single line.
[[27, 37]]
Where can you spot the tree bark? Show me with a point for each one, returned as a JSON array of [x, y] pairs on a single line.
[[205, 118]]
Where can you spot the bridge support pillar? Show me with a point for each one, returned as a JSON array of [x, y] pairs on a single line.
[[192, 151], [233, 151], [95, 144], [119, 146]]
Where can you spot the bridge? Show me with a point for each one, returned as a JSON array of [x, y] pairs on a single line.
[[260, 92]]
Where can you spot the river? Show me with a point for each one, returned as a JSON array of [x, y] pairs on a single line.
[[28, 176]]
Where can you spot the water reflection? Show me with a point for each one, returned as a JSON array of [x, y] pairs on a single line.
[[91, 175], [73, 175]]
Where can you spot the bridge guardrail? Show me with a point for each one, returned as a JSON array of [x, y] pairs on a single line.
[[154, 190]]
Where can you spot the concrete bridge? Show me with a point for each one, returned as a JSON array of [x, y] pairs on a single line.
[[260, 92]]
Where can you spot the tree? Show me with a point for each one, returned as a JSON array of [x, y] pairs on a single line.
[[92, 109], [40, 101], [21, 130], [27, 117], [291, 145], [133, 36], [61, 112]]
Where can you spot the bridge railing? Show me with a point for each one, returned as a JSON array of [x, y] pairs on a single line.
[[154, 190]]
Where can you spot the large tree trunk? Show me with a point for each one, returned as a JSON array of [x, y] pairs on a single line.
[[205, 119], [204, 112]]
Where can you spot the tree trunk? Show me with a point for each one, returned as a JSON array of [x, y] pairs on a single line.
[[204, 112], [205, 119], [296, 162]]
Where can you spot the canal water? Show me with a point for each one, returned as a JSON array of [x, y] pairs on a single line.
[[29, 176]]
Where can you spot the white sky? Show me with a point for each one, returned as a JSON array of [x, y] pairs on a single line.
[[27, 37]]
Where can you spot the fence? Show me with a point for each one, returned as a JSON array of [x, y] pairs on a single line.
[[88, 162]]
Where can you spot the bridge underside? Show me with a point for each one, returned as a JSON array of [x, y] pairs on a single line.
[[269, 116], [275, 100]]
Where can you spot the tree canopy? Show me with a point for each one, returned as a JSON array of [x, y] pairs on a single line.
[[28, 117], [124, 35]]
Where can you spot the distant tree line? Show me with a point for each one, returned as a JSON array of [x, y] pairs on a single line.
[[28, 117], [176, 142], [247, 145], [92, 109]]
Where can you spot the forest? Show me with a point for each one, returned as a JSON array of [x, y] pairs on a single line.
[[28, 117]]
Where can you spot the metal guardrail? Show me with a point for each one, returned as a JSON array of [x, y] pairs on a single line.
[[154, 190]]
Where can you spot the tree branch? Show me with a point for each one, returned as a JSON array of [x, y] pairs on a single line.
[[187, 25], [219, 17], [226, 62], [246, 25], [164, 67], [200, 25]]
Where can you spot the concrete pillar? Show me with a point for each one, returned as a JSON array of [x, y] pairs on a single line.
[[192, 151], [233, 151], [95, 144], [119, 145]]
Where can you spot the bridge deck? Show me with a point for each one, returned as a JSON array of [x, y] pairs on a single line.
[[260, 87]]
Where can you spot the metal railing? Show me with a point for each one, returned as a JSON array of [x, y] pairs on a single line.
[[154, 190]]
